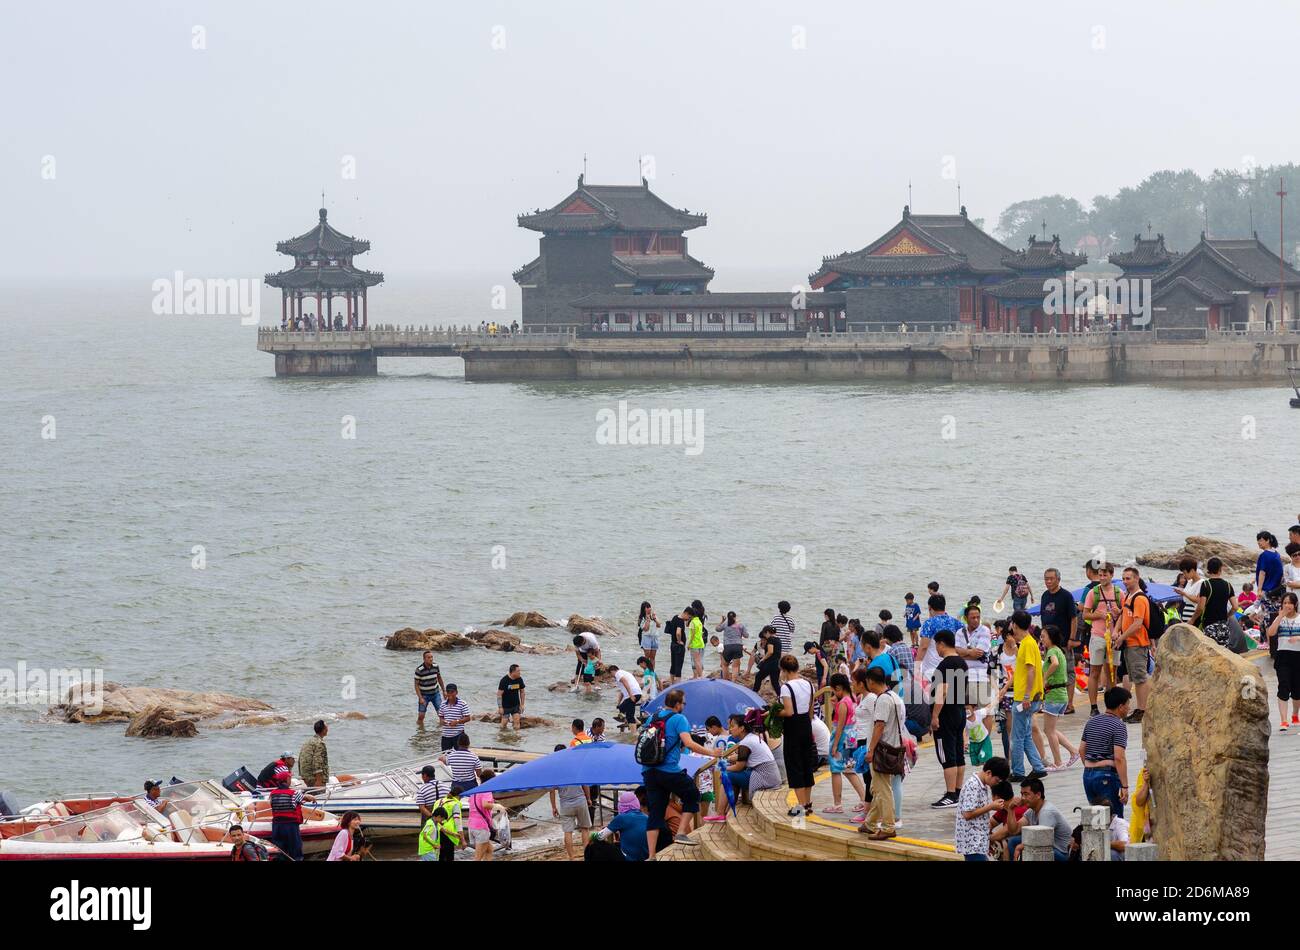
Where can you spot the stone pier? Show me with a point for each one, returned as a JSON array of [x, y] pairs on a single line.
[[299, 363]]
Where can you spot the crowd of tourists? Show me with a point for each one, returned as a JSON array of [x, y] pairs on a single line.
[[858, 700]]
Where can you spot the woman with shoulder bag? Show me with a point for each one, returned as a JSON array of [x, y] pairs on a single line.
[[798, 746]]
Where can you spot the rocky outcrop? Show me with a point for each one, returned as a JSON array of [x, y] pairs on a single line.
[[1206, 734], [249, 719], [527, 618], [118, 703], [525, 722], [594, 625], [161, 721], [1236, 558], [408, 638]]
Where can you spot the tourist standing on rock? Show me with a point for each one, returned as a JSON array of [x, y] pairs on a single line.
[[1135, 636], [428, 686], [1104, 747], [734, 636], [314, 758], [939, 619], [784, 626], [1101, 609], [668, 778], [510, 697], [630, 697], [948, 717], [1285, 633], [1268, 578], [453, 715], [797, 745], [1216, 605], [1026, 698], [1017, 585], [647, 632], [587, 649], [675, 631], [1056, 608]]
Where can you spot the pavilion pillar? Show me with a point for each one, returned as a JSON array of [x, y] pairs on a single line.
[[350, 327], [284, 306], [318, 310], [365, 309]]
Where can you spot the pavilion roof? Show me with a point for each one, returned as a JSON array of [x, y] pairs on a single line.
[[1044, 255], [1247, 259], [617, 207], [323, 238], [655, 267], [323, 276], [1147, 252]]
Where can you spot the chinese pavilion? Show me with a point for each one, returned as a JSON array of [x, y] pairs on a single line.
[[322, 268], [944, 270], [609, 239], [1225, 284], [1147, 259]]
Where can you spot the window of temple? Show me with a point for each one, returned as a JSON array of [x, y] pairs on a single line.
[[744, 318], [622, 318], [682, 318], [716, 318]]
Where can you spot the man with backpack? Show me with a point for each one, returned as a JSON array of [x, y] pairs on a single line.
[[246, 848], [1139, 623], [659, 749], [1017, 586]]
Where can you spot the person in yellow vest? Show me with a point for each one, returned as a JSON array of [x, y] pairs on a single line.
[[449, 826], [439, 837], [580, 735]]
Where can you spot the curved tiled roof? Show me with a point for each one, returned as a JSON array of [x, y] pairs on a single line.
[[1205, 289], [323, 238], [663, 268], [1044, 255], [619, 207], [1019, 288], [324, 277], [1147, 252], [1247, 259]]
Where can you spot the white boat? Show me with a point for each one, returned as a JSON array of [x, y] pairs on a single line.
[[206, 803], [127, 830]]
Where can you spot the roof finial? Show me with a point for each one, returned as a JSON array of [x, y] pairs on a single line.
[[1148, 228], [909, 195], [322, 204], [959, 204]]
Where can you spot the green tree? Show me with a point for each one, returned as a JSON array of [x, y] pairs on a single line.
[[1063, 216]]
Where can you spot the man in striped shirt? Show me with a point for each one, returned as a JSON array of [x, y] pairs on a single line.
[[464, 764], [784, 627], [428, 686], [429, 792], [453, 714]]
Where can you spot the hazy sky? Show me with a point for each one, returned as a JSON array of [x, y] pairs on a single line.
[[795, 126]]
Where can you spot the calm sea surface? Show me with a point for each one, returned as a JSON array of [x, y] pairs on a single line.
[[173, 432]]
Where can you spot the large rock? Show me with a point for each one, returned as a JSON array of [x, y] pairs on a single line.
[[525, 722], [161, 721], [408, 638], [528, 618], [1236, 558], [1206, 734], [118, 703], [594, 625]]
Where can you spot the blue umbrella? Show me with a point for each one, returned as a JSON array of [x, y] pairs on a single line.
[[592, 763], [705, 698], [1160, 593]]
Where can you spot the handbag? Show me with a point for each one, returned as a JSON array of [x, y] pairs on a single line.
[[888, 759]]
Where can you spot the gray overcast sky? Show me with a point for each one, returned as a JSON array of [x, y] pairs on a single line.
[[167, 157]]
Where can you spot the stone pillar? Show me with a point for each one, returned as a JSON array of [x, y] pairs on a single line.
[[349, 296], [1037, 840], [1095, 835], [284, 306], [319, 311], [1141, 852], [365, 309]]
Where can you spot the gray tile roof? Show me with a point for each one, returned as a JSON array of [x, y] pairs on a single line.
[[656, 267], [620, 207], [1246, 258], [1044, 255], [1147, 252], [323, 238], [317, 277], [1201, 287]]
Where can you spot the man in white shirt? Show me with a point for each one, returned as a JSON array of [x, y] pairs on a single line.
[[974, 642], [631, 696], [821, 739]]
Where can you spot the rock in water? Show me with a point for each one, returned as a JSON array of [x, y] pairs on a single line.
[[1206, 735], [525, 722], [527, 618], [579, 624], [161, 721], [408, 638], [1236, 558], [118, 703], [497, 640]]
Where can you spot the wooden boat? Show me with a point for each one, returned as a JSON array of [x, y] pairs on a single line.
[[127, 830], [205, 802]]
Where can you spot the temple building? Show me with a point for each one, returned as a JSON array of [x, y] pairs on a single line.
[[942, 270], [1225, 285], [607, 239], [1147, 259], [322, 269]]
